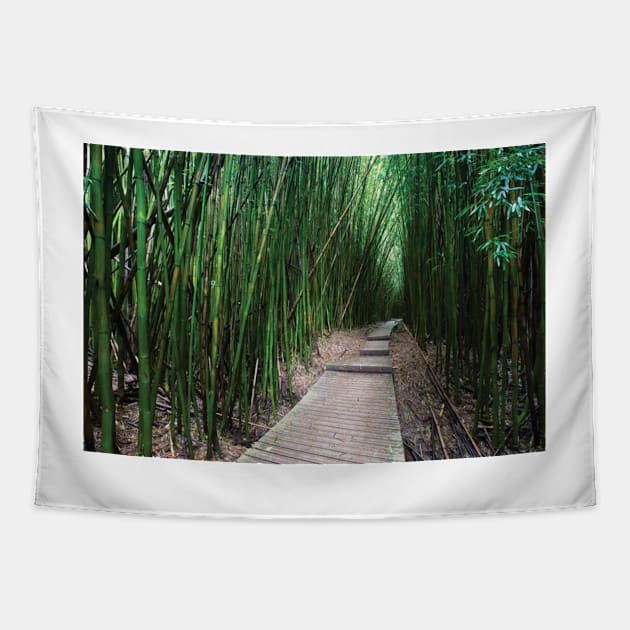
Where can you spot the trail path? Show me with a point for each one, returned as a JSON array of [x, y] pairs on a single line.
[[348, 416]]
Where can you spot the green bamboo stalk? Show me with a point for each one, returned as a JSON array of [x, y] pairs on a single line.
[[216, 323], [145, 412], [102, 273]]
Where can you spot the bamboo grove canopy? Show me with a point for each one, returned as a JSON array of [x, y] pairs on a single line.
[[204, 273]]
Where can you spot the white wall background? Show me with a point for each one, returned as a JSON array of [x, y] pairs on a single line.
[[330, 61]]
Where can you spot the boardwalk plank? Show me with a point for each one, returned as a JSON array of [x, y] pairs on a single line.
[[343, 437], [335, 417], [351, 408], [286, 450], [322, 448], [344, 426], [331, 444]]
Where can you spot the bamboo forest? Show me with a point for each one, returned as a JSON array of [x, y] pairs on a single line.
[[314, 309]]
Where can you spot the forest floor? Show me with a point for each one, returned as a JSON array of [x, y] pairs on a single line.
[[418, 402], [416, 397]]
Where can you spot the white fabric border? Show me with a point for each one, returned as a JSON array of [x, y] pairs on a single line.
[[562, 476]]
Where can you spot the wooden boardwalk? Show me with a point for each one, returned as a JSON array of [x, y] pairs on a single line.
[[348, 416]]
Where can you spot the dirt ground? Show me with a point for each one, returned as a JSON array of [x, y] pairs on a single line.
[[418, 402]]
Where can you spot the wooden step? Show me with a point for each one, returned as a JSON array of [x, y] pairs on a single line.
[[369, 364], [375, 348]]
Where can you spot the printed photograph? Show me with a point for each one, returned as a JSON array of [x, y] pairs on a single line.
[[314, 310]]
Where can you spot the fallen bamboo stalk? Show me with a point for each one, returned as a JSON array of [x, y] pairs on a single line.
[[439, 433]]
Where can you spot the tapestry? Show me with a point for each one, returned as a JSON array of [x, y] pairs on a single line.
[[358, 320]]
